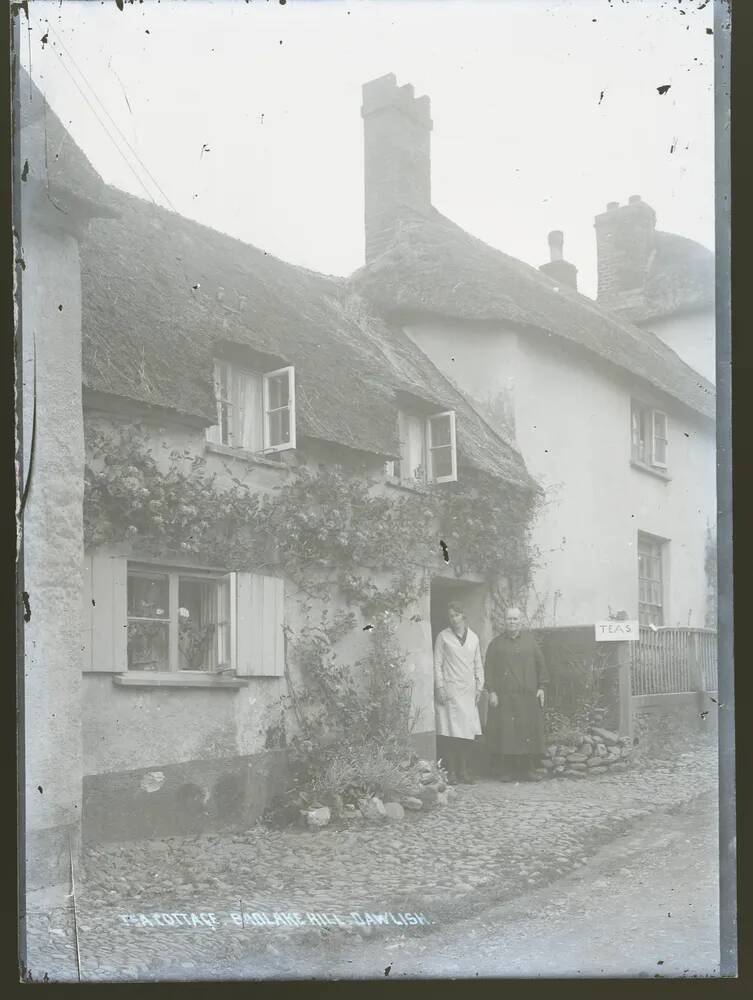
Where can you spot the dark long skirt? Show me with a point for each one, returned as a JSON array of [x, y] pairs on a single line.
[[455, 754], [516, 725]]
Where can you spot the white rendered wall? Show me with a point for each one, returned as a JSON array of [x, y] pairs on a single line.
[[572, 425]]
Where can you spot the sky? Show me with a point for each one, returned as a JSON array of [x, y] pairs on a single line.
[[246, 116]]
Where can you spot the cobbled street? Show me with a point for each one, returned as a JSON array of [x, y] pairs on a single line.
[[646, 904], [492, 844]]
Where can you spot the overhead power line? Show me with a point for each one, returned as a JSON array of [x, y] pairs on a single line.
[[104, 127], [115, 125]]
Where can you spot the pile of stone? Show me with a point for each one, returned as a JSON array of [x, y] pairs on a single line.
[[594, 753], [430, 790]]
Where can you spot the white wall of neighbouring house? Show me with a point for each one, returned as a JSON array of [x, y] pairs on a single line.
[[692, 336], [572, 425]]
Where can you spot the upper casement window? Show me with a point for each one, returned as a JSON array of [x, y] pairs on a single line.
[[428, 448], [649, 430], [255, 410]]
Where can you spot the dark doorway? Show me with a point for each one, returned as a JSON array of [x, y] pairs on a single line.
[[472, 596]]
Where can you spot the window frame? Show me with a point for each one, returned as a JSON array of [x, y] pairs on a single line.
[[268, 448], [643, 431], [224, 584], [430, 449], [234, 406], [648, 610], [394, 468], [655, 437], [220, 403]]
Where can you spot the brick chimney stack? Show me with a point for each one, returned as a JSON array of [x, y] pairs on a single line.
[[397, 162], [557, 268], [624, 248]]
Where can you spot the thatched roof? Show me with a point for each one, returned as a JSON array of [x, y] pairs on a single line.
[[680, 278], [160, 292], [432, 266]]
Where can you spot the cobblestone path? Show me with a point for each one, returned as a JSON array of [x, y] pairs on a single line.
[[493, 842], [646, 905]]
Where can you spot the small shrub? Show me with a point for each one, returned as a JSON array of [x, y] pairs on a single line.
[[341, 775], [356, 772]]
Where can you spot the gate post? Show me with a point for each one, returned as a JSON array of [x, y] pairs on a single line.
[[624, 658]]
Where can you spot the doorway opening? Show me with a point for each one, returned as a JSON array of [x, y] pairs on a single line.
[[472, 598]]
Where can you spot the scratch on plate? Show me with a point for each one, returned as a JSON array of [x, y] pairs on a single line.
[[75, 914]]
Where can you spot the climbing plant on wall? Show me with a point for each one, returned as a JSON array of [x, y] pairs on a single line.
[[336, 533], [330, 529]]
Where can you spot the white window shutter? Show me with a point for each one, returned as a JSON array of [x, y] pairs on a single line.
[[245, 625], [274, 616], [260, 611], [109, 592]]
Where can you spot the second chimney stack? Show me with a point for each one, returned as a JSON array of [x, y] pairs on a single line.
[[624, 247], [557, 268]]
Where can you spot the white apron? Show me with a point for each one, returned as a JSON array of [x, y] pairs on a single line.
[[459, 670]]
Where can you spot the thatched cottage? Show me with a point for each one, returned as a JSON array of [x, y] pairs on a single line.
[[210, 367], [599, 396], [192, 392]]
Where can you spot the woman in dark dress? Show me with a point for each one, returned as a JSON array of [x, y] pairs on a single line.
[[515, 677]]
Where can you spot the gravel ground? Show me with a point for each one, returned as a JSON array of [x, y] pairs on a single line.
[[491, 844]]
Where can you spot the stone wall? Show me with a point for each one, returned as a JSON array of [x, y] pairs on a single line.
[[52, 548], [192, 797], [592, 753]]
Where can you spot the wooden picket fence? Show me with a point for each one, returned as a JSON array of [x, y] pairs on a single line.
[[673, 661]]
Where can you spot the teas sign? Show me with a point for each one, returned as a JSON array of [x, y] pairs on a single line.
[[617, 631]]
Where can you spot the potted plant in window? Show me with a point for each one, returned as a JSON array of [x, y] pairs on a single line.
[[194, 641]]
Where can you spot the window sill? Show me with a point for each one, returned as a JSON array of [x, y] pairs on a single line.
[[651, 470], [250, 457], [139, 678]]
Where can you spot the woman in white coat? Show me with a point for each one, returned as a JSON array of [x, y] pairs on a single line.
[[458, 682]]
